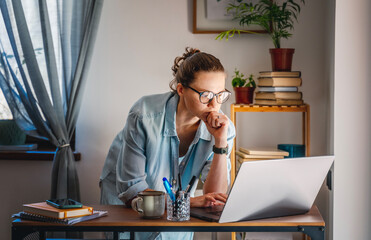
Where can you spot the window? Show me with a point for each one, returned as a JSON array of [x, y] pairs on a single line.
[[5, 112], [34, 27]]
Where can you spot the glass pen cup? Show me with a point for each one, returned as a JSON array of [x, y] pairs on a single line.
[[180, 209]]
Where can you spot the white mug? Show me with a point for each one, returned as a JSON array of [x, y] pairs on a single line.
[[149, 204]]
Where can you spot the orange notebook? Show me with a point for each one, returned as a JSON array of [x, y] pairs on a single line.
[[42, 208]]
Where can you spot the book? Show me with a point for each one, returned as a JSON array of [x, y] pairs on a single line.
[[42, 208], [241, 160], [278, 95], [279, 102], [278, 89], [69, 221], [279, 82], [24, 147], [280, 74], [263, 151], [294, 150], [257, 156]]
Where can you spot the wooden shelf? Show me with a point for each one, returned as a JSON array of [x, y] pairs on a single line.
[[304, 109]]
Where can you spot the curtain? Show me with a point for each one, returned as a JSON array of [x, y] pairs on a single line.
[[45, 52]]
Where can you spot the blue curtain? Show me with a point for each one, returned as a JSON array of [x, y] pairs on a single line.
[[45, 52]]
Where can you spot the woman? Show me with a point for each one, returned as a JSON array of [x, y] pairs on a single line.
[[180, 132]]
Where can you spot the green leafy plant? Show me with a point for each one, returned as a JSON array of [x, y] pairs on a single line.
[[239, 80], [275, 18]]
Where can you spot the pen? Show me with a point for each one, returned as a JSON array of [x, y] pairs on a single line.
[[190, 185], [180, 183], [168, 189]]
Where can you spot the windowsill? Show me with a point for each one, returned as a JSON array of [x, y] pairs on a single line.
[[37, 155]]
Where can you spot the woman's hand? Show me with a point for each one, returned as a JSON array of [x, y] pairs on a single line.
[[217, 125], [209, 199]]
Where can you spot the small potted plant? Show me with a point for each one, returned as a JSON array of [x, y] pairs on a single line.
[[275, 18], [243, 87], [10, 133]]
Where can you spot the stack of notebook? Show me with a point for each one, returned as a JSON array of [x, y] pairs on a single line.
[[43, 212]]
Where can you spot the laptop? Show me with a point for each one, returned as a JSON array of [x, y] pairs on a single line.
[[271, 188]]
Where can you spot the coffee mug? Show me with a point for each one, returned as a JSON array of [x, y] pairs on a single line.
[[149, 204]]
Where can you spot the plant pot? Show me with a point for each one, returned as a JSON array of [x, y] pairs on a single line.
[[10, 133], [244, 95], [281, 58]]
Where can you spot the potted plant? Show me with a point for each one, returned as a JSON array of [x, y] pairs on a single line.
[[275, 18], [243, 87], [10, 133]]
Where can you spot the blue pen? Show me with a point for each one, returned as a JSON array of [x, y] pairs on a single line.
[[168, 189]]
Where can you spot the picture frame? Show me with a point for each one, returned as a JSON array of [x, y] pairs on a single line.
[[203, 25]]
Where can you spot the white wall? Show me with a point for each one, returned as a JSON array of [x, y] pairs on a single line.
[[135, 48], [352, 117]]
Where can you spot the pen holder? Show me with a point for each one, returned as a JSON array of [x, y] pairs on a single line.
[[179, 210]]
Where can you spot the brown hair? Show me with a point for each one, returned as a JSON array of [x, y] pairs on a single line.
[[191, 62]]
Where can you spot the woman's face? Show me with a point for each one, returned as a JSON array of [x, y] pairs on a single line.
[[204, 81]]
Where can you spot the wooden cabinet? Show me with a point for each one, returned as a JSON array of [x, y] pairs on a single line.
[[303, 109]]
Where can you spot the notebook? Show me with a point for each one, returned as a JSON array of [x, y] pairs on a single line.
[[271, 188], [69, 221], [42, 208]]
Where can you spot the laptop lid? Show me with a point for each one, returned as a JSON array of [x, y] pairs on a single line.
[[274, 188]]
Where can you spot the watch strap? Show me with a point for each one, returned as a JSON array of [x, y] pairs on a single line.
[[220, 150]]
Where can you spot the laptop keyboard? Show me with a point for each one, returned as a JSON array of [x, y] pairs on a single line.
[[216, 210]]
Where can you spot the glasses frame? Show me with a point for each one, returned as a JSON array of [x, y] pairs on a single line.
[[214, 95]]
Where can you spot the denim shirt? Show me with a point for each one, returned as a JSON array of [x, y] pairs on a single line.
[[147, 149]]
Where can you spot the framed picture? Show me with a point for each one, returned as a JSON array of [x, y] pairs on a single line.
[[210, 16]]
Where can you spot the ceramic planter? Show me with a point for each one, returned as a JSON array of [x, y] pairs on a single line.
[[244, 95], [281, 58]]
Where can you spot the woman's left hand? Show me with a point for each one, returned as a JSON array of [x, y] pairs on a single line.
[[209, 199], [217, 125]]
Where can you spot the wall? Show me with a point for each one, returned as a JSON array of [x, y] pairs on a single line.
[[136, 44], [352, 117]]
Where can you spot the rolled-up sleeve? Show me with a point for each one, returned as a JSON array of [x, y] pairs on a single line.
[[206, 168], [131, 162]]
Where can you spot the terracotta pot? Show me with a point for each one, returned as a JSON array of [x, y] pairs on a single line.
[[281, 58], [244, 95]]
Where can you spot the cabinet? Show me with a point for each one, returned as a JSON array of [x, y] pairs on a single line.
[[303, 109]]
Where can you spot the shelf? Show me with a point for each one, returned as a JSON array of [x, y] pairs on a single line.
[[304, 109], [262, 108]]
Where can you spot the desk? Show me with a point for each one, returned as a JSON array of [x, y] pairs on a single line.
[[121, 219]]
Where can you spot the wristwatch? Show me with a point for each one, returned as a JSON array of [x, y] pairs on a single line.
[[220, 150]]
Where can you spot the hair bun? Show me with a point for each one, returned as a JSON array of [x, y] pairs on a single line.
[[179, 60]]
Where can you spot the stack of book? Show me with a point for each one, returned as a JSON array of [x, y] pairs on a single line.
[[259, 153], [45, 213], [279, 88]]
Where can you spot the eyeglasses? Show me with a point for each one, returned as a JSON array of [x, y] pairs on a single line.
[[207, 96]]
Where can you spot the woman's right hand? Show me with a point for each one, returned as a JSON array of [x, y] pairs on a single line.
[[209, 199]]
